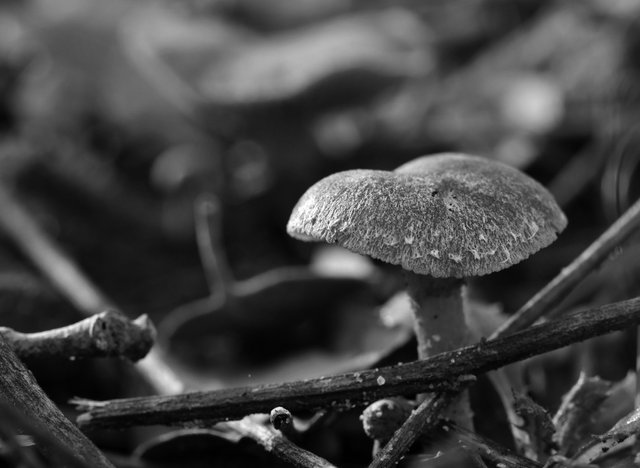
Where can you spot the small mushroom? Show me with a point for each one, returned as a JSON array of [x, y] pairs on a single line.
[[442, 218]]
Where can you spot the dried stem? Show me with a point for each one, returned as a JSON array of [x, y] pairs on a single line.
[[426, 420], [208, 220], [12, 417], [553, 293], [69, 279], [576, 175], [16, 222], [435, 373], [19, 390], [282, 420], [488, 449], [279, 445], [108, 334], [20, 227], [423, 419], [394, 412]]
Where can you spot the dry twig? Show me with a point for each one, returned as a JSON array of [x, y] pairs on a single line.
[[68, 278], [107, 334], [439, 372], [19, 390], [553, 293]]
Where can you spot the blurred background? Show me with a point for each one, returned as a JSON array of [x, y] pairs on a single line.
[[119, 119]]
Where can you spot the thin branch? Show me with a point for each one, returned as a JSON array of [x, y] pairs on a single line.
[[71, 281], [11, 417], [436, 373], [425, 420], [208, 219], [384, 417], [576, 175], [50, 259], [277, 444], [422, 420], [208, 226], [553, 293], [282, 420], [108, 334], [488, 449], [19, 390]]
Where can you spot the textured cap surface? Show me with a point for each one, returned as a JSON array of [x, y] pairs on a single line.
[[447, 215]]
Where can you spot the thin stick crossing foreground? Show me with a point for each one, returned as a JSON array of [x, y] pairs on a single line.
[[439, 372], [570, 276], [71, 281], [540, 304]]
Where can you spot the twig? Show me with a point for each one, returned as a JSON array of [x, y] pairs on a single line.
[[487, 448], [576, 175], [553, 293], [423, 419], [279, 445], [426, 419], [42, 436], [20, 227], [19, 390], [433, 374], [107, 334], [504, 389], [282, 420], [208, 219], [394, 412], [71, 281], [65, 275]]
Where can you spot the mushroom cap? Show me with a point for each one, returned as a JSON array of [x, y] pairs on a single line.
[[447, 215]]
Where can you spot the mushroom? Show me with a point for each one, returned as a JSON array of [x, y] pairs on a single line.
[[442, 218]]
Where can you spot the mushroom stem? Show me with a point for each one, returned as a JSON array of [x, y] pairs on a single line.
[[440, 326], [438, 313]]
